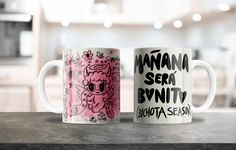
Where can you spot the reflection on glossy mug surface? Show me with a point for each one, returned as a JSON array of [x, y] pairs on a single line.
[[91, 83]]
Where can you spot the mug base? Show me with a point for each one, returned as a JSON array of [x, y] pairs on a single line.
[[172, 120], [164, 123], [77, 120], [89, 122]]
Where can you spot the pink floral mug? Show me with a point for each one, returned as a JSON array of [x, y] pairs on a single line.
[[91, 85]]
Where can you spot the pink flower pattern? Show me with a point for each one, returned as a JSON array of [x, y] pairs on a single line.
[[88, 55]]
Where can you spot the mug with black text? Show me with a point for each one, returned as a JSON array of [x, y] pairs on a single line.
[[163, 85]]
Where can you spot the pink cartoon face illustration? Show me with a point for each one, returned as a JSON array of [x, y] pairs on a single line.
[[97, 79], [96, 83], [97, 87]]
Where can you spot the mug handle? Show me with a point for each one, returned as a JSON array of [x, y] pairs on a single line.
[[41, 85], [212, 91]]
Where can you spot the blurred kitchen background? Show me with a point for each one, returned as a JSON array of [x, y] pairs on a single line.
[[33, 32]]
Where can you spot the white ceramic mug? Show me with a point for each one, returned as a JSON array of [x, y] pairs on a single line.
[[91, 85], [163, 83]]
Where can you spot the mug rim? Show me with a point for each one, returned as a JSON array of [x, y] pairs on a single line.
[[164, 48], [91, 48]]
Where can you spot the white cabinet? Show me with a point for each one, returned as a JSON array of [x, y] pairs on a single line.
[[126, 12], [141, 9], [15, 88], [170, 9], [15, 99], [126, 95], [16, 75]]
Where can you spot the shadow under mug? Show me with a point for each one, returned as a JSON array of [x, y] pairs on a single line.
[[163, 85], [91, 85]]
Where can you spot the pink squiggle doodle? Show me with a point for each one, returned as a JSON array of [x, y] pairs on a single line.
[[74, 103], [88, 55]]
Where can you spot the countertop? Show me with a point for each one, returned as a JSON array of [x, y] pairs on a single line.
[[46, 131]]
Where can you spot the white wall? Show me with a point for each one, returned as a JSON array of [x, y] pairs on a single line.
[[205, 34], [210, 33], [97, 36]]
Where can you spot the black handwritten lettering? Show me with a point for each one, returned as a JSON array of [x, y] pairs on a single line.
[[149, 93], [162, 95], [177, 62], [141, 97], [185, 62], [179, 111], [160, 78], [150, 112], [166, 92], [155, 51], [149, 78], [166, 61], [157, 112], [158, 61], [138, 63]]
